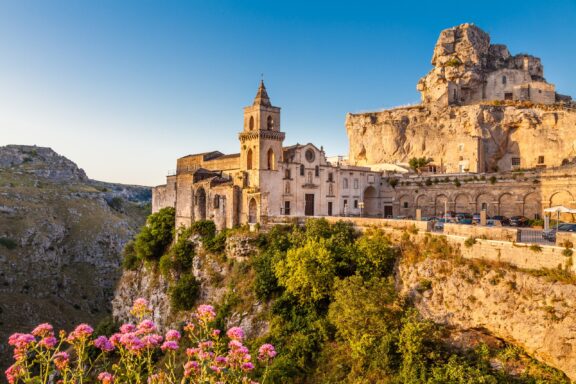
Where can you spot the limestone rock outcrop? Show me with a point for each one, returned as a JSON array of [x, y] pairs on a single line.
[[525, 310]]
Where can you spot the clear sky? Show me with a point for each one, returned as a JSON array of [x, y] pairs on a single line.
[[124, 87]]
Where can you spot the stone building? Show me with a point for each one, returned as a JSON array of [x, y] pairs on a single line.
[[266, 179]]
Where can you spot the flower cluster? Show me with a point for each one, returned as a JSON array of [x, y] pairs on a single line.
[[41, 357]]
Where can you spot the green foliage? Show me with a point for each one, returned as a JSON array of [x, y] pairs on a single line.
[[206, 229], [184, 292], [217, 244], [307, 272], [155, 237], [130, 260], [182, 253], [417, 163], [567, 252], [535, 248], [393, 182], [165, 264], [424, 285], [428, 182], [8, 242], [453, 62], [415, 344], [457, 183], [116, 203], [469, 242], [376, 254], [493, 180]]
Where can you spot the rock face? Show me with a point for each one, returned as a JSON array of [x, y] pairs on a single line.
[[528, 311], [483, 110], [474, 138], [60, 241]]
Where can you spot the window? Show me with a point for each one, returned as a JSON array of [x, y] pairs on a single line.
[[504, 80], [540, 159], [484, 206], [251, 124], [317, 171], [515, 161], [405, 205], [301, 169], [355, 183], [270, 123], [271, 160], [310, 156], [309, 179], [216, 203], [287, 188], [287, 174], [356, 204], [286, 207], [249, 159], [345, 204], [345, 183], [330, 177]]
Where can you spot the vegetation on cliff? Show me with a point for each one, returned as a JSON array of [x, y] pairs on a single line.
[[328, 300]]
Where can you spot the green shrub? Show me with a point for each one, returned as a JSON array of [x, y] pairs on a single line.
[[155, 237], [184, 292], [182, 254], [469, 242], [457, 183], [165, 264], [116, 203], [567, 252], [493, 180], [535, 248], [217, 244], [130, 260], [428, 182], [8, 242], [424, 285], [453, 62], [206, 229]]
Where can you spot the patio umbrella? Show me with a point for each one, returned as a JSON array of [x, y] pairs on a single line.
[[559, 209]]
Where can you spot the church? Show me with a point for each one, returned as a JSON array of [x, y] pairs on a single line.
[[267, 179]]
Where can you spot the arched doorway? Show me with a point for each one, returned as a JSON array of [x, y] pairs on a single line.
[[532, 205], [201, 203], [462, 203], [507, 205], [370, 202], [252, 211], [484, 201], [441, 205]]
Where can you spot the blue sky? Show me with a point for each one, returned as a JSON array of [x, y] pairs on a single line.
[[124, 87]]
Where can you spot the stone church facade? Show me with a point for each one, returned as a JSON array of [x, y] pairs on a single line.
[[266, 179]]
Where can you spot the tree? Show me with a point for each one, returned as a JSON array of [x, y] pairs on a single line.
[[158, 233], [417, 163]]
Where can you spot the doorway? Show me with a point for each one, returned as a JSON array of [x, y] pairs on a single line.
[[329, 208], [388, 211], [309, 207]]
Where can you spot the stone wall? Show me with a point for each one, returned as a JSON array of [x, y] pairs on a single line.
[[164, 195], [477, 231], [565, 237]]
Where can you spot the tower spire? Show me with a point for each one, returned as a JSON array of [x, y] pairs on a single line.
[[262, 96]]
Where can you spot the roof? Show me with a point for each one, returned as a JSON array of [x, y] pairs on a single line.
[[262, 96], [205, 155]]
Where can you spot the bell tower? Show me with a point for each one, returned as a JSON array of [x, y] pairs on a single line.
[[261, 139]]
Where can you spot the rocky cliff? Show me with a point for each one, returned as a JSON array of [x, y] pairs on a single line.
[[525, 310], [61, 237]]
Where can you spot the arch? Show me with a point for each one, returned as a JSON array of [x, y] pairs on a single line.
[[249, 159], [562, 197], [317, 171], [406, 205], [486, 200], [201, 203], [507, 205], [301, 169], [462, 203], [271, 160], [251, 123], [370, 199], [532, 205], [252, 211], [422, 202], [270, 123], [440, 204]]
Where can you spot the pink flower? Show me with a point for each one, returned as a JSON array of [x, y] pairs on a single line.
[[191, 352], [152, 341], [189, 327], [127, 328], [21, 340], [13, 373], [81, 332], [43, 330], [169, 345], [235, 333], [146, 327], [247, 366], [115, 339], [103, 344], [266, 352], [131, 342], [140, 308], [206, 345], [48, 342], [106, 378], [172, 335], [61, 360], [205, 313], [191, 367], [216, 333]]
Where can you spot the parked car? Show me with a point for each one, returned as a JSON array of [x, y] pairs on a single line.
[[550, 234], [465, 221], [502, 219], [493, 223], [476, 218], [439, 224], [519, 221], [463, 215]]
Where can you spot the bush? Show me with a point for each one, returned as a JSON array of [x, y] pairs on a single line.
[[567, 252], [206, 229], [469, 242], [218, 243], [155, 237], [184, 292], [535, 248], [165, 264], [375, 254], [130, 260], [8, 242], [493, 180], [116, 203], [182, 254]]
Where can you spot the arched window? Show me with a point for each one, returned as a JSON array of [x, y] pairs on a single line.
[[216, 203], [271, 160], [251, 123], [504, 80], [270, 123], [249, 159], [317, 171], [301, 169], [287, 174]]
